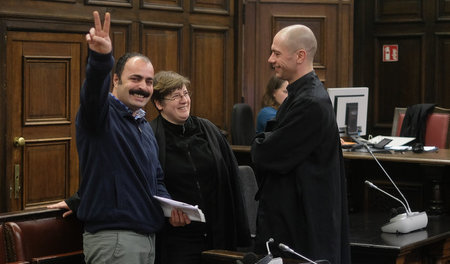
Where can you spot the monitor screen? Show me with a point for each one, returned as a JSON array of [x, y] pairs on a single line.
[[350, 105]]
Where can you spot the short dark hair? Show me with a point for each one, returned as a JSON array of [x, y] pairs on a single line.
[[120, 65]]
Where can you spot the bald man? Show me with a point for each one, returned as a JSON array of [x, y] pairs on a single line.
[[299, 163]]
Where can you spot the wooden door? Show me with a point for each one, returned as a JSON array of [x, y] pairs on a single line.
[[43, 83]]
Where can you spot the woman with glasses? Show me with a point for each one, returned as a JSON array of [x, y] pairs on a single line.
[[200, 169]]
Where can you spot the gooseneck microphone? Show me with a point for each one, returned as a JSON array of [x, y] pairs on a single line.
[[268, 258], [288, 249], [408, 209], [402, 223], [267, 245], [371, 185]]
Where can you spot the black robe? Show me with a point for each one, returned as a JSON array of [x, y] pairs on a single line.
[[228, 221], [302, 195]]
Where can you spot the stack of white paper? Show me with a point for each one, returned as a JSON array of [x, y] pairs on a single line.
[[194, 213], [396, 141]]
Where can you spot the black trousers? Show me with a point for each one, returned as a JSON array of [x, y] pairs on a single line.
[[180, 247]]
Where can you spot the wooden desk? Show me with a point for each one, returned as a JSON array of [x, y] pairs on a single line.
[[369, 245], [422, 177], [442, 157], [424, 180]]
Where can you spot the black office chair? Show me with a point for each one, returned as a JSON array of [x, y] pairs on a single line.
[[249, 188], [242, 125]]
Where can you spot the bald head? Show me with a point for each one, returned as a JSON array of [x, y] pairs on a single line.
[[298, 37]]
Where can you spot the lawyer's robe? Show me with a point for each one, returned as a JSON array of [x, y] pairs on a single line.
[[300, 168]]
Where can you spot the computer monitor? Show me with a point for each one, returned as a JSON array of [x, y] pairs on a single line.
[[350, 105]]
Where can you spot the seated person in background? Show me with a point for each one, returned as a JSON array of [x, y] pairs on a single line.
[[273, 97], [200, 169]]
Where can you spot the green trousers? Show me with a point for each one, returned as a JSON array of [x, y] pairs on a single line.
[[118, 246]]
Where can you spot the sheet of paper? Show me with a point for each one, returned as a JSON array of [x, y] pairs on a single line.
[[194, 213], [396, 141]]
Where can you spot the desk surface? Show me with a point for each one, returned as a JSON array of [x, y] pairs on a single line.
[[441, 157], [365, 231]]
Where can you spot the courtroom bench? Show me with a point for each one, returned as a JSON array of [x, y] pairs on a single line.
[[41, 236]]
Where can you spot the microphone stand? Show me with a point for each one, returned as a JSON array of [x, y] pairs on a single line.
[[402, 223], [288, 249]]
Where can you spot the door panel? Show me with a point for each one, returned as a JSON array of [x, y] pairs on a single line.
[[43, 86]]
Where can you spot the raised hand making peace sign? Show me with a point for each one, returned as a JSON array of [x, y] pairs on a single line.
[[98, 36]]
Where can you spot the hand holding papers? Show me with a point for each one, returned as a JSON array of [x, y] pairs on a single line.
[[194, 213]]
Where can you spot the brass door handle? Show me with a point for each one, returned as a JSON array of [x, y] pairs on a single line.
[[19, 141]]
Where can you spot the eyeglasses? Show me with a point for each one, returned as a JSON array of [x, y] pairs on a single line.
[[177, 97]]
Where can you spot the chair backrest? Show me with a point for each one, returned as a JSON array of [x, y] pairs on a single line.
[[437, 132], [3, 255], [249, 187], [242, 124], [44, 237]]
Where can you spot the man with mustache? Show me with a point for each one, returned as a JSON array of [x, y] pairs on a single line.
[[302, 192], [118, 156]]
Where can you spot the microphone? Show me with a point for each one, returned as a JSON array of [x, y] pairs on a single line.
[[388, 194], [402, 223], [269, 256], [267, 245], [288, 249]]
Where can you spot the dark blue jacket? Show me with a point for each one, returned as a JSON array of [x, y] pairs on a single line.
[[118, 159]]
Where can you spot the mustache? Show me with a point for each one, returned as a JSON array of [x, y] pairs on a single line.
[[141, 92]]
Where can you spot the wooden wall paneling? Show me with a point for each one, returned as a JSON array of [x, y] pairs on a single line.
[[441, 74], [443, 10], [68, 1], [120, 34], [401, 83], [46, 94], [176, 5], [119, 3], [345, 42], [4, 189], [211, 73], [211, 7], [162, 43], [421, 30], [46, 102], [46, 171], [399, 11], [249, 54]]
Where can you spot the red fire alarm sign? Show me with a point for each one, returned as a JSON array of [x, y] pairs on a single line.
[[390, 53]]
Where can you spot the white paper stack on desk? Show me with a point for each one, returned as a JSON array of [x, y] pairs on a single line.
[[396, 141]]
